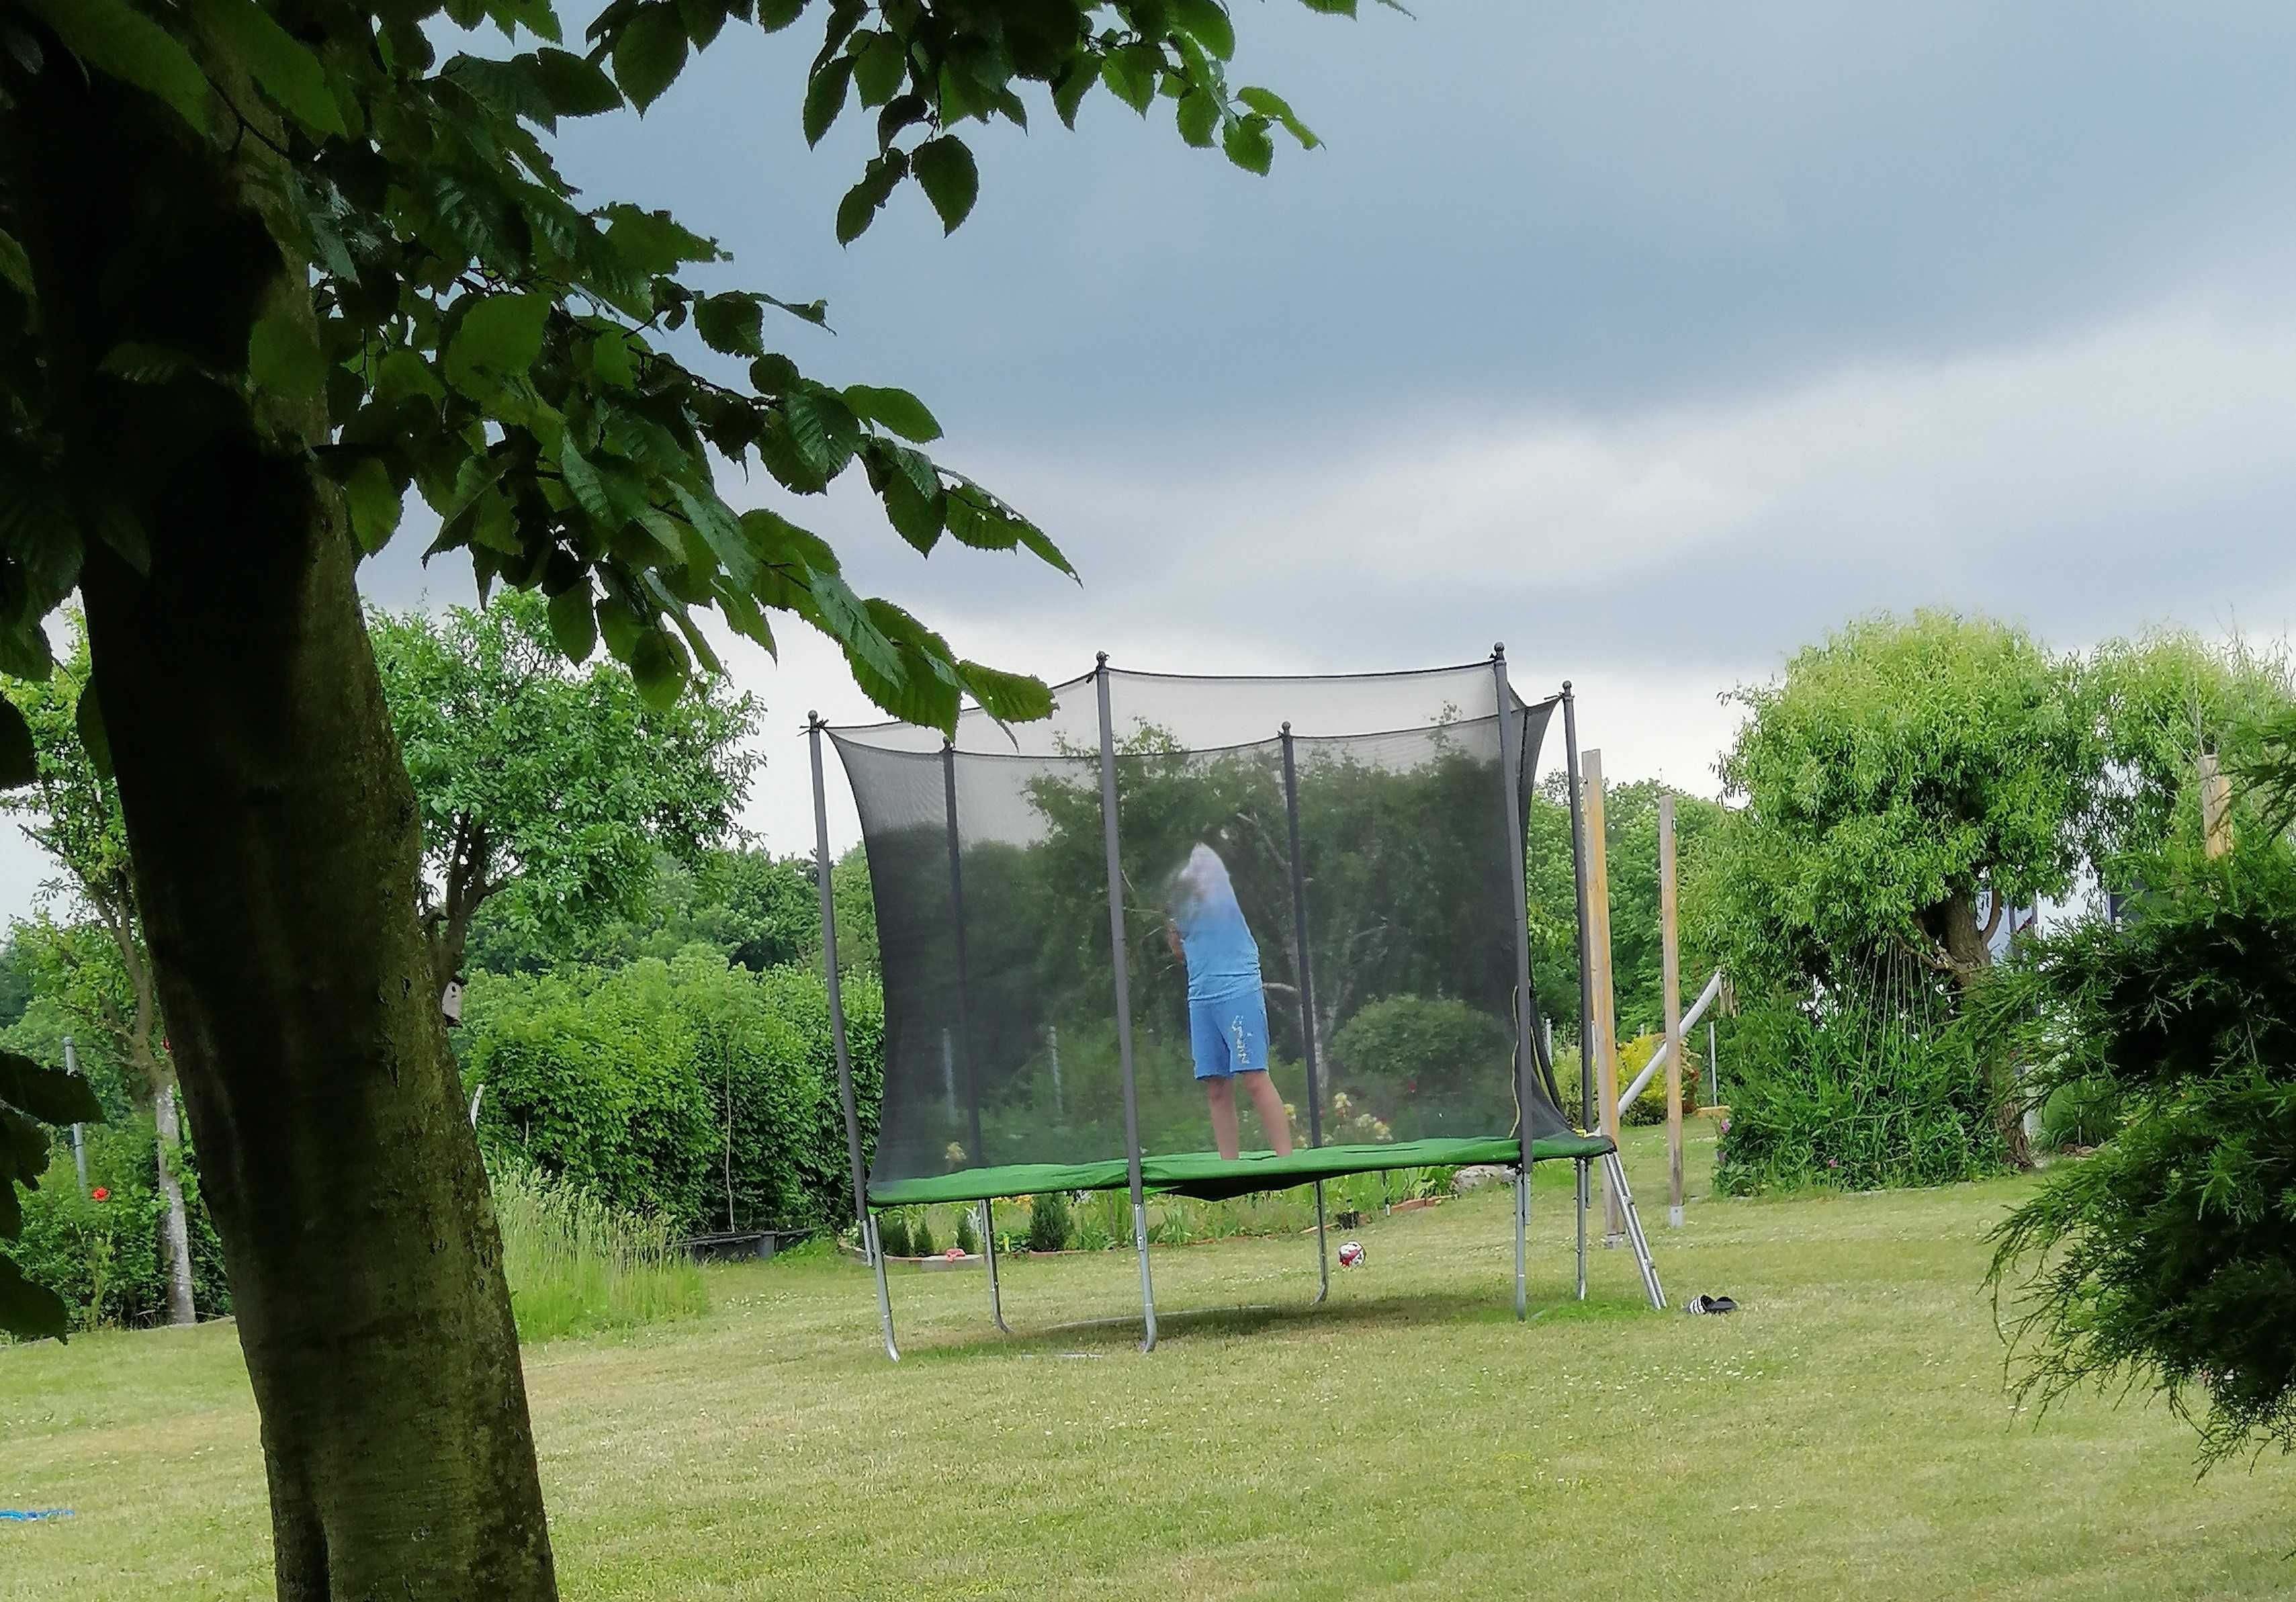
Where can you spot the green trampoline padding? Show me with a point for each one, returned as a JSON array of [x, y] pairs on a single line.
[[1212, 1178]]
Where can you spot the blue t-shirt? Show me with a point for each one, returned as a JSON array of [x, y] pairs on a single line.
[[1222, 958]]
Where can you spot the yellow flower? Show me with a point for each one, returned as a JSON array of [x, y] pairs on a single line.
[[954, 1153]]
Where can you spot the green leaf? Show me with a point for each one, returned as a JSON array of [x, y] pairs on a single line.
[[24, 1147], [823, 430], [1198, 115], [1069, 92], [704, 20], [1249, 146], [574, 622], [282, 354], [15, 267], [87, 720], [879, 66], [734, 324], [1008, 697], [1269, 103], [773, 374], [951, 180], [499, 337], [895, 409], [575, 86], [118, 40], [29, 1311], [613, 360], [659, 667], [1206, 22], [824, 96], [774, 15], [651, 53], [654, 241], [50, 1095], [1131, 78], [20, 763], [376, 503], [278, 61], [859, 207]]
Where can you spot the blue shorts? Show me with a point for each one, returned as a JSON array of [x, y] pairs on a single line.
[[1229, 1034]]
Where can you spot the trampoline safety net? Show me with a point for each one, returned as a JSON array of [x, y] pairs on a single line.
[[1383, 952]]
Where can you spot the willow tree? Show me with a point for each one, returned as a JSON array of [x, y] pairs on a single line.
[[268, 265]]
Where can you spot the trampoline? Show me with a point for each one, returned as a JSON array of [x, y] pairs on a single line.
[[1185, 923]]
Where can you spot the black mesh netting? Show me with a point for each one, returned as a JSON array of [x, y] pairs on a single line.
[[988, 861]]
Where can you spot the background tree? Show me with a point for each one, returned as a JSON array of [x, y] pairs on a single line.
[[105, 983], [1906, 782], [268, 264], [549, 785]]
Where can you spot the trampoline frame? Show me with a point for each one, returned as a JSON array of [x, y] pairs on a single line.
[[1530, 1062]]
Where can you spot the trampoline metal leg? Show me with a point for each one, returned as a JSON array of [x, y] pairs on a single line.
[[1147, 1287], [1616, 1171], [1322, 1253], [988, 1256], [1584, 1186], [885, 1291], [1521, 1240]]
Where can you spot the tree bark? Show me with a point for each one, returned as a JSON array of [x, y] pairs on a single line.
[[174, 1224], [276, 846]]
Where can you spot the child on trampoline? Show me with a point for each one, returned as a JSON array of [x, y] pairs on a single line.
[[1228, 1010]]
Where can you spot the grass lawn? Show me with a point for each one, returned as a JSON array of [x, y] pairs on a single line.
[[1846, 1434]]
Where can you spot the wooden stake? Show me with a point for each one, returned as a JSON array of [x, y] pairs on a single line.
[[1599, 1033], [2215, 806], [1670, 988]]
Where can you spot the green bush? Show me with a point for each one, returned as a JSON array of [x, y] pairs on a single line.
[[893, 1234], [1406, 1052], [1650, 1107], [633, 1085], [968, 1238], [2080, 1112], [921, 1243], [1856, 1094], [104, 1257], [2166, 1259], [576, 1264], [1049, 1222]]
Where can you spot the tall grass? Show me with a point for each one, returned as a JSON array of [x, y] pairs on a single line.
[[576, 1265]]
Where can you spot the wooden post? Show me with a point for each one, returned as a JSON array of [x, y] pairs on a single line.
[[1599, 1033], [1670, 988], [2215, 806]]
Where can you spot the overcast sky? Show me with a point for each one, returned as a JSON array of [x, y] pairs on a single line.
[[1655, 340]]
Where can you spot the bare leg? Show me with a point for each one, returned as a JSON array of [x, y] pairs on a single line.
[[1273, 1118], [1220, 1093]]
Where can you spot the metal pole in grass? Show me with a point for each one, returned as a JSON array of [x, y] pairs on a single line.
[[1586, 976], [867, 1220], [1121, 963], [1526, 1058], [1670, 995], [80, 1133], [964, 970], [1307, 1001]]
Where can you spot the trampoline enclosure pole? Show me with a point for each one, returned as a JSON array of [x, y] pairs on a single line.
[[1586, 970], [963, 971], [1512, 758], [1303, 970], [836, 991], [1121, 963]]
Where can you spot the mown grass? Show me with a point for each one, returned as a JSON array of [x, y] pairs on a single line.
[[1846, 1434]]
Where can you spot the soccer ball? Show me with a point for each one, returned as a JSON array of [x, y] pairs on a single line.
[[1351, 1254]]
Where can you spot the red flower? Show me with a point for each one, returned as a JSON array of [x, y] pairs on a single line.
[[99, 1194]]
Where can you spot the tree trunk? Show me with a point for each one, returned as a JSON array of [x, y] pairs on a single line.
[[276, 843], [175, 1226]]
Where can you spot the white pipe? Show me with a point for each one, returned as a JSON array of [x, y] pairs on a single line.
[[1658, 1059]]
